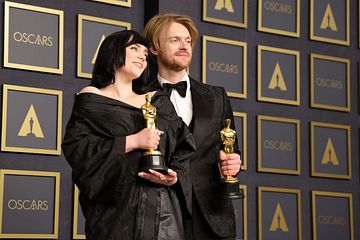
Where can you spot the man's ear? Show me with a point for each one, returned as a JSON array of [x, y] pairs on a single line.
[[153, 51]]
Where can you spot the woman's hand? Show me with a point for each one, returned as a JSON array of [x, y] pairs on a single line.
[[145, 139], [159, 178]]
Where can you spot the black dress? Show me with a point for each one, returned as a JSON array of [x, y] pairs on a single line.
[[117, 204]]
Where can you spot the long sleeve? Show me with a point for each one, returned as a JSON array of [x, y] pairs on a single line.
[[95, 159], [96, 156]]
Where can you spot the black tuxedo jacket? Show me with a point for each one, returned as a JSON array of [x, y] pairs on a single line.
[[210, 109]]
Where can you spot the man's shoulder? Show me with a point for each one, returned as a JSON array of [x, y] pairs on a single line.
[[204, 87]]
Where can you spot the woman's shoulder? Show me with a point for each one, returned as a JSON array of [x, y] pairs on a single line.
[[90, 89], [90, 95]]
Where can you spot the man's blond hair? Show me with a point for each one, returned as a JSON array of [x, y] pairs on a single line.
[[159, 22]]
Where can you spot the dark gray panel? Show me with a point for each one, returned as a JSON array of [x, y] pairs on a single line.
[[224, 66], [279, 145], [46, 109], [287, 64], [280, 14], [288, 204], [332, 218], [29, 205], [228, 10], [330, 83], [33, 38]]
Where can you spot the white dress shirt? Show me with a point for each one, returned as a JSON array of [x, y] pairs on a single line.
[[183, 105]]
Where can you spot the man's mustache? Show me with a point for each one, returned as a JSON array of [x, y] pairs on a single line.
[[182, 52]]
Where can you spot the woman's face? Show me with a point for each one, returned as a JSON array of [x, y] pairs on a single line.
[[135, 60]]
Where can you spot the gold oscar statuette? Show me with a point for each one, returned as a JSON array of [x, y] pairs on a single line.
[[231, 184], [152, 158]]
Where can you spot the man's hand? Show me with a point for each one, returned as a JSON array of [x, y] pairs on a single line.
[[159, 178], [229, 163]]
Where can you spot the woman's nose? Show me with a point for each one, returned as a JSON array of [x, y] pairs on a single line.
[[142, 56]]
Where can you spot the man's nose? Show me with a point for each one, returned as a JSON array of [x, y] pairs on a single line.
[[183, 44]]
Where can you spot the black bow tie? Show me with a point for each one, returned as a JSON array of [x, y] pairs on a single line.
[[180, 87]]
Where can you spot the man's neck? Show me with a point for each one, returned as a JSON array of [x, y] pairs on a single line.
[[171, 75]]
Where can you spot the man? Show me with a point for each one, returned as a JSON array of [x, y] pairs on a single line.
[[204, 109]]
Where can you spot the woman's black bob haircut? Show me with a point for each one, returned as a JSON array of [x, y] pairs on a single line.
[[112, 55]]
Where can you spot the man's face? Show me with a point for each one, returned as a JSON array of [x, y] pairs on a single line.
[[175, 47]]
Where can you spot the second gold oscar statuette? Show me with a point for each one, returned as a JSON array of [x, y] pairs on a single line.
[[230, 184]]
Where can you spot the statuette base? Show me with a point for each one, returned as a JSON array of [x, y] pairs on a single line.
[[231, 188]]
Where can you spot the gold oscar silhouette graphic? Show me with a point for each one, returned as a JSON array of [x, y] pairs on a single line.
[[220, 4], [230, 184], [152, 158]]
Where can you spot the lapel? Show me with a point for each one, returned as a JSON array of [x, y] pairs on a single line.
[[203, 105], [151, 86]]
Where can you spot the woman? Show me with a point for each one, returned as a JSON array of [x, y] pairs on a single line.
[[105, 140]]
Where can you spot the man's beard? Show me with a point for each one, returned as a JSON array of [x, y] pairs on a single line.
[[173, 64]]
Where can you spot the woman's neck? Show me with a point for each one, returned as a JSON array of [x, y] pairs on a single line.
[[119, 89]]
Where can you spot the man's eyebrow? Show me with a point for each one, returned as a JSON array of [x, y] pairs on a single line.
[[177, 36]]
